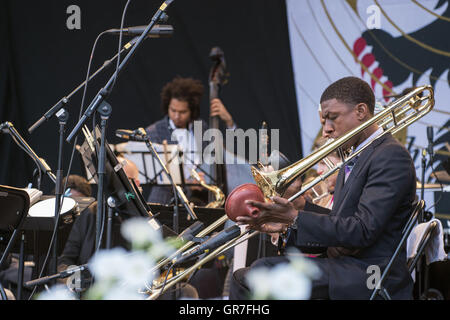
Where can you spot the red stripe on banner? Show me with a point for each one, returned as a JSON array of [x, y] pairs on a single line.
[[367, 60]]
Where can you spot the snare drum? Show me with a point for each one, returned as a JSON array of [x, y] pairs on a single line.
[[46, 209]]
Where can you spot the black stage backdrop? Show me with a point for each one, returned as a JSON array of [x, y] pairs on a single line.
[[42, 61]]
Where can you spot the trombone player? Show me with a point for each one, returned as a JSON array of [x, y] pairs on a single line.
[[372, 202]]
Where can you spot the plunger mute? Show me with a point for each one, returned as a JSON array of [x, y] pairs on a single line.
[[235, 205]]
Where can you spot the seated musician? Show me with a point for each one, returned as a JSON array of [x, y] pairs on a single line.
[[180, 102], [77, 186], [80, 245], [372, 202]]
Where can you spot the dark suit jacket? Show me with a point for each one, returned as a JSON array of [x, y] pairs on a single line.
[[80, 245], [368, 214]]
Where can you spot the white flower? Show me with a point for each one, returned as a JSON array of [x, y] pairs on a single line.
[[258, 282], [138, 270], [287, 283], [57, 292], [108, 265], [302, 264], [139, 232], [132, 269], [161, 249]]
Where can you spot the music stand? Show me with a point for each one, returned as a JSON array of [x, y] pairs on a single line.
[[123, 196], [150, 171], [14, 204]]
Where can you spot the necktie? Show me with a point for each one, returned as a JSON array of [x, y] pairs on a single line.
[[349, 167]]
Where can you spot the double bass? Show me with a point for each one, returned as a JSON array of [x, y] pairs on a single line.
[[217, 78]]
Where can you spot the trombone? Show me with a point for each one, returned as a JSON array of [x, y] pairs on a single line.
[[396, 116]]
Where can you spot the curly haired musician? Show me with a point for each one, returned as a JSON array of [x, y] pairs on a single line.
[[372, 202], [180, 102]]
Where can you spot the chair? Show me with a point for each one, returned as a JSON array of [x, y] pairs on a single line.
[[415, 262], [14, 205], [379, 288]]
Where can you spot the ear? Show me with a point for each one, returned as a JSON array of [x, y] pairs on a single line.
[[362, 111]]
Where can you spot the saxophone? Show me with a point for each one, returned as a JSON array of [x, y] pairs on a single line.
[[218, 194]]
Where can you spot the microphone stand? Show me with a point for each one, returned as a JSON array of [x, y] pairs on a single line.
[[112, 203], [422, 187], [178, 192], [98, 104], [60, 275], [62, 116], [21, 141], [64, 100]]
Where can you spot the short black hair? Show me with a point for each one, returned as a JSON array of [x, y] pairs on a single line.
[[350, 90], [183, 89]]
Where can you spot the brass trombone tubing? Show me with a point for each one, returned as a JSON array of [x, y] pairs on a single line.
[[403, 124], [290, 173], [172, 281], [188, 244], [280, 179]]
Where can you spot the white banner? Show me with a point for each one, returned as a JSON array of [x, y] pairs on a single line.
[[393, 45]]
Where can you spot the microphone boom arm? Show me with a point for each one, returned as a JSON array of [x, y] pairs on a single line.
[[105, 91]]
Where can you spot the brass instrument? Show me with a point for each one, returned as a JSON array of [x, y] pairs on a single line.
[[396, 116], [218, 194]]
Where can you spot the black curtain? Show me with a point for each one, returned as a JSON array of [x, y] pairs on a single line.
[[42, 61]]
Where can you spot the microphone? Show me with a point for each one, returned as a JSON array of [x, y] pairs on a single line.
[[133, 135], [430, 140], [62, 274], [4, 127], [158, 31], [212, 243], [189, 233]]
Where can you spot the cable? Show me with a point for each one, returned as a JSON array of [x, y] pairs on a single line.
[[165, 279], [35, 161], [101, 230], [76, 138], [71, 160], [120, 44], [94, 114], [439, 181]]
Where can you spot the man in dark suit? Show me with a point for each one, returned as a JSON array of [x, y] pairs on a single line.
[[180, 103], [373, 200]]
